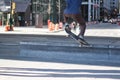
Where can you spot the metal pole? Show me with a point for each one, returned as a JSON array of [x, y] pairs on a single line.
[[54, 12], [89, 10], [59, 9], [11, 16], [49, 8]]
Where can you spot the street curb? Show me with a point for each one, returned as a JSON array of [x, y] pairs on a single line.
[[71, 52], [104, 46], [60, 52]]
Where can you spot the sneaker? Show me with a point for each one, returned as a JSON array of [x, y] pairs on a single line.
[[81, 37]]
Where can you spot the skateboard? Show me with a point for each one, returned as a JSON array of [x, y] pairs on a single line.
[[82, 42]]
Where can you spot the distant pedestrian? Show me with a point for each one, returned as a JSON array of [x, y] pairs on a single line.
[[73, 11]]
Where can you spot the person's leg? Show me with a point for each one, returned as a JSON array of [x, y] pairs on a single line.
[[66, 16], [82, 24], [66, 21]]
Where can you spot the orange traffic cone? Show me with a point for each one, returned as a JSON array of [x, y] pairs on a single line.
[[56, 27], [7, 28], [50, 26], [60, 25], [53, 26]]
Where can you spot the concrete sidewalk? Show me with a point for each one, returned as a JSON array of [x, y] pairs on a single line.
[[97, 30], [28, 69]]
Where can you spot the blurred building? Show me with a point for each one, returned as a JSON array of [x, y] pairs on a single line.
[[109, 4], [27, 11], [48, 9], [53, 9], [30, 12], [21, 13], [91, 9]]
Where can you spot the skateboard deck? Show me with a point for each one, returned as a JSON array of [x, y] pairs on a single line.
[[82, 42]]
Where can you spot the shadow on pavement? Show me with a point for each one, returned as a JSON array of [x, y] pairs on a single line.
[[59, 73]]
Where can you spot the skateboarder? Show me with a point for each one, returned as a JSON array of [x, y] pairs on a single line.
[[73, 11]]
